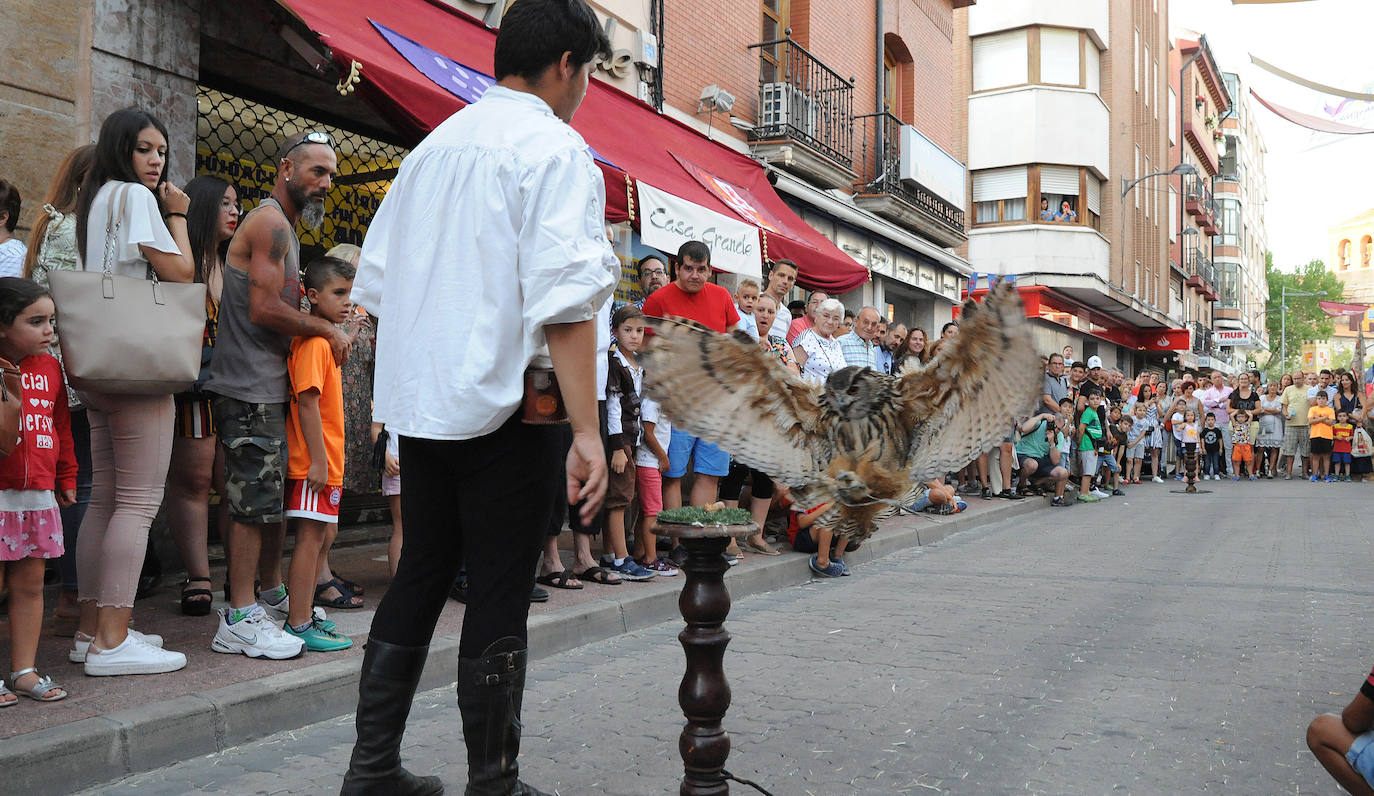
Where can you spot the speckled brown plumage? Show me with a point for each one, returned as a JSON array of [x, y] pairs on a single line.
[[864, 439]]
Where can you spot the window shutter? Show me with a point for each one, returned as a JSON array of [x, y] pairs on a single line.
[[1094, 194], [1000, 60], [1094, 69], [993, 184], [1059, 179], [1059, 56]]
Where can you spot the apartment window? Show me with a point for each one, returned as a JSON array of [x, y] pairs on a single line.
[[1135, 62], [1149, 191], [1230, 222], [1137, 174], [1069, 195], [892, 83], [1155, 75], [1000, 60], [1036, 55], [775, 22], [1060, 50], [1173, 117], [1149, 76], [999, 195]]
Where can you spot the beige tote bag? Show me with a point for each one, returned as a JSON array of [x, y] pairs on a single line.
[[124, 335]]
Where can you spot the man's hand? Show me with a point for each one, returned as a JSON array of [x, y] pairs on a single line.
[[315, 477], [340, 343], [586, 473]]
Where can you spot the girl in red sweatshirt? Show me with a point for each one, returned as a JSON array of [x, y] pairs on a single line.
[[35, 479]]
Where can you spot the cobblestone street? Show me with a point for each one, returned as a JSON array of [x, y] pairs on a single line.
[[1149, 644]]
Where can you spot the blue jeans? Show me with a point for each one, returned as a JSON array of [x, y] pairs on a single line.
[[1212, 463], [76, 512]]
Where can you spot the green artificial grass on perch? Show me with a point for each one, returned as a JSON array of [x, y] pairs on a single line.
[[696, 515]]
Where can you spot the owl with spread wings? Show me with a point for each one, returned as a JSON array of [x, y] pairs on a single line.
[[865, 440]]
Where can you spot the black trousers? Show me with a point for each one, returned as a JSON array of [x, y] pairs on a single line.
[[484, 503]]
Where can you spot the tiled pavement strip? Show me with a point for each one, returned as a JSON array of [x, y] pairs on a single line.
[[1153, 644], [111, 727]]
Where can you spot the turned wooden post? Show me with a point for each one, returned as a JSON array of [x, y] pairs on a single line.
[[704, 694]]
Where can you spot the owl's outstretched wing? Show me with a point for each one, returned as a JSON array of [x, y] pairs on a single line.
[[963, 401], [728, 391]]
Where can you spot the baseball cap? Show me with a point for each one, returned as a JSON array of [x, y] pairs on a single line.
[[1094, 362]]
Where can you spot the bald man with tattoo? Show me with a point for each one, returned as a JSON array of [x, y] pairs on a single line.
[[259, 314]]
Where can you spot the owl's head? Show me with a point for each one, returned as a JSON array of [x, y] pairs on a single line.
[[854, 392]]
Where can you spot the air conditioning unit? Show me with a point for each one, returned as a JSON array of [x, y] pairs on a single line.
[[783, 105]]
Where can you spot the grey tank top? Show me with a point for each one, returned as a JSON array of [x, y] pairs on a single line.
[[250, 360]]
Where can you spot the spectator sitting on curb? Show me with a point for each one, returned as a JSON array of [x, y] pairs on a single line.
[[1344, 744]]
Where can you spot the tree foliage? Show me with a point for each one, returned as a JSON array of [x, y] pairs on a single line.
[[1304, 317]]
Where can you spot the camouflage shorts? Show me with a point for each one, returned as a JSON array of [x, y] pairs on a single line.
[[253, 437]]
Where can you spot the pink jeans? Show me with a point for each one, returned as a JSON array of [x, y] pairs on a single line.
[[131, 446]]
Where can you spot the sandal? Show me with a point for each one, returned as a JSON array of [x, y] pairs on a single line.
[[196, 602], [3, 691], [344, 602], [349, 585], [558, 580], [40, 689], [599, 575], [761, 547]]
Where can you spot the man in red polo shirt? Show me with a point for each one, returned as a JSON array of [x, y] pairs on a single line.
[[690, 296]]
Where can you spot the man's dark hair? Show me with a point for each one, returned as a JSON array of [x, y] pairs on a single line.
[[9, 203], [796, 306], [1050, 359], [777, 263], [694, 250], [1090, 389], [848, 314], [534, 34], [322, 269], [1324, 372], [1077, 365], [639, 268]]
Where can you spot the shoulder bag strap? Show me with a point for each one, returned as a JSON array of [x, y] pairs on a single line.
[[114, 221]]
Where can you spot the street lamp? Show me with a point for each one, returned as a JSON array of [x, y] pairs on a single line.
[[1181, 169], [1284, 293]]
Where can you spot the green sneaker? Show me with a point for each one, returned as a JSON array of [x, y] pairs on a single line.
[[1089, 498], [317, 639]]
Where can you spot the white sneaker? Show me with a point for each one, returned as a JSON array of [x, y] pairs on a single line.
[[132, 657], [255, 636], [1100, 494], [77, 654], [279, 612], [1157, 480]]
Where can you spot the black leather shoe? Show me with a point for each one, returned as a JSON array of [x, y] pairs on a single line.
[[386, 689]]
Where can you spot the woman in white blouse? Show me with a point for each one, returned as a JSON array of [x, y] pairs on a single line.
[[130, 434], [817, 350]]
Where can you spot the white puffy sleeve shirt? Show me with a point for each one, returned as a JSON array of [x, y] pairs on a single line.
[[493, 229]]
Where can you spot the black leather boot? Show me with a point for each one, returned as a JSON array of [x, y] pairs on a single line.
[[390, 676], [490, 691]]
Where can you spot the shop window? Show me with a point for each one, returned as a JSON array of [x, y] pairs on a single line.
[[237, 140], [1343, 255], [1366, 244]]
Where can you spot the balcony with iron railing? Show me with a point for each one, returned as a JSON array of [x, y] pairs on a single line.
[[1202, 274], [1200, 204], [805, 120], [910, 181], [1201, 337]]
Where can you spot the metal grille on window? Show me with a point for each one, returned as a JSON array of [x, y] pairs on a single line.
[[237, 140]]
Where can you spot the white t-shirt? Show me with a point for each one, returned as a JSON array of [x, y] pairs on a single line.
[[141, 224], [12, 253], [649, 412]]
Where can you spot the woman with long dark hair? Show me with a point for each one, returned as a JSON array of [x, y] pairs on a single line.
[[211, 219], [52, 247], [913, 347], [130, 434], [1350, 398]]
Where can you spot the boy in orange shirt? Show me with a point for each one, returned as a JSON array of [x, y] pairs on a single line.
[[315, 441], [1321, 420]]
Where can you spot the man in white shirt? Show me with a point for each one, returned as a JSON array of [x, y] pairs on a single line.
[[501, 210]]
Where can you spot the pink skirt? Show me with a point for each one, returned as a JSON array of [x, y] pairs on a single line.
[[30, 534]]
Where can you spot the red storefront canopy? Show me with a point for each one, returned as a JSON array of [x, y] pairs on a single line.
[[632, 140], [1040, 301]]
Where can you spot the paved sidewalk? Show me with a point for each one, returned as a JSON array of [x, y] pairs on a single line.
[[109, 727], [1153, 644]]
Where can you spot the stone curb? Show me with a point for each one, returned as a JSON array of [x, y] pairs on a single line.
[[109, 747]]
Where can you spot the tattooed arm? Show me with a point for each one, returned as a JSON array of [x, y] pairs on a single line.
[[269, 238]]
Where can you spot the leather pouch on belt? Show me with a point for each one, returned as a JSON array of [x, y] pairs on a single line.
[[543, 403]]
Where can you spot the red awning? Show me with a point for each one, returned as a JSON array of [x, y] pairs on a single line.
[[633, 141], [1038, 301]]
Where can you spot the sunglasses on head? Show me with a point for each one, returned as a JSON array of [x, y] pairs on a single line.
[[312, 137]]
